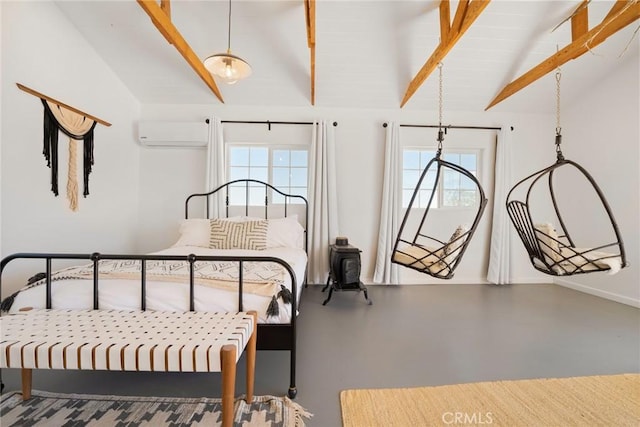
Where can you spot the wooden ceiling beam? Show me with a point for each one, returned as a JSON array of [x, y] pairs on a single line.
[[445, 19], [163, 23], [310, 15], [466, 14], [613, 23], [580, 21], [165, 5]]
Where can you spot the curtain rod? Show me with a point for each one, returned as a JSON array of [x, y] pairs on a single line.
[[267, 122], [449, 127]]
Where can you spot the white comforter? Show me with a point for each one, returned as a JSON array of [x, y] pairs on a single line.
[[122, 294]]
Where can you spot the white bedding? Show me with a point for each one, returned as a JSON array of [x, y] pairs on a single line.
[[122, 294]]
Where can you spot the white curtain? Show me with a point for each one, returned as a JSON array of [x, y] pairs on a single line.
[[385, 271], [499, 271], [215, 165], [323, 202]]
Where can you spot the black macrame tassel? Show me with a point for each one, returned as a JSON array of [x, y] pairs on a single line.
[[6, 303], [88, 159], [285, 294], [273, 309], [50, 145]]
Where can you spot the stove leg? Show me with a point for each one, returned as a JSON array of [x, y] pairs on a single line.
[[366, 295], [327, 285]]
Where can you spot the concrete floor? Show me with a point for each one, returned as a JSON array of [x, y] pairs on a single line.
[[411, 336]]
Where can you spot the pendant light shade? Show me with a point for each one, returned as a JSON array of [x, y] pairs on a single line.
[[230, 68]]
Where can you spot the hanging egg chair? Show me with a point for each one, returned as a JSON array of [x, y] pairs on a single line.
[[541, 215], [416, 246]]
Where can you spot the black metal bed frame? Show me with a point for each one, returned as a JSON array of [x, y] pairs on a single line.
[[270, 336]]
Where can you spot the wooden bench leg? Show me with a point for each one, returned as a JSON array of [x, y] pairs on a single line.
[[26, 384], [228, 371], [251, 357]]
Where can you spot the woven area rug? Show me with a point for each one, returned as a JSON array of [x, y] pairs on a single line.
[[54, 409], [583, 401]]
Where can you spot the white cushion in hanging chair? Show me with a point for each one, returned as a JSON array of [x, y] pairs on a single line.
[[564, 259], [436, 260]]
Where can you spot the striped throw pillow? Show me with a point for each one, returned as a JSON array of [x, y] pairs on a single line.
[[238, 235]]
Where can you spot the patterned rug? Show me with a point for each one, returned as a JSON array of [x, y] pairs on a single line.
[[609, 400], [55, 409]]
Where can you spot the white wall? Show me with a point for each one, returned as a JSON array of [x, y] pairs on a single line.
[[42, 50], [601, 132], [167, 176]]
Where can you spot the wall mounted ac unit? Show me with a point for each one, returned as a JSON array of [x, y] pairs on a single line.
[[173, 134]]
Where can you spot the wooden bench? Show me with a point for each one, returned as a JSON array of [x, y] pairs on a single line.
[[131, 341]]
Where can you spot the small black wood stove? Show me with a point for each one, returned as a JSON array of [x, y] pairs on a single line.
[[344, 269]]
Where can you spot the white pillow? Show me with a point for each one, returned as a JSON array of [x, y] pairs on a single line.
[[285, 232], [194, 232], [548, 240]]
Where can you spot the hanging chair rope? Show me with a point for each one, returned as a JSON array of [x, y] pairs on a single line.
[[559, 155]]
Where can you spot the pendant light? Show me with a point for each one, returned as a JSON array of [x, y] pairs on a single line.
[[230, 68]]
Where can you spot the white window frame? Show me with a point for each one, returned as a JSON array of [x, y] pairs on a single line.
[[462, 150]]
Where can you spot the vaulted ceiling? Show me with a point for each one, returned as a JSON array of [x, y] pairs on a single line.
[[366, 52]]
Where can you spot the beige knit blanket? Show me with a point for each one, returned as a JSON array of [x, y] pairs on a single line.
[[259, 278]]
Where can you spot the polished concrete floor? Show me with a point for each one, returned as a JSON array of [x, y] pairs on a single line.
[[410, 336]]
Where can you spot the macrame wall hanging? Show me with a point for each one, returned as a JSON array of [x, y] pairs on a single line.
[[77, 125]]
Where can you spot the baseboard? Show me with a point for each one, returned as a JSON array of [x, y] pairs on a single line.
[[598, 292]]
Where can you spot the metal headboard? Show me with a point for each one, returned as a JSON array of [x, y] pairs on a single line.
[[247, 184]]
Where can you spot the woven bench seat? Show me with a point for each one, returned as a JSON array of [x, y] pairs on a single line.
[[130, 341]]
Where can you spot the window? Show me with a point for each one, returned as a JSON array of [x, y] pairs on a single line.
[[284, 168], [453, 189]]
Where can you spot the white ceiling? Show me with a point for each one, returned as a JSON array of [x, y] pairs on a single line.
[[367, 52]]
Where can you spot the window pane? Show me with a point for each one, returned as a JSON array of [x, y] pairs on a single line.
[[466, 183], [451, 179], [280, 157], [299, 158], [238, 173], [450, 197], [256, 196], [452, 158], [260, 174], [280, 177], [410, 159], [236, 196], [468, 161], [239, 156], [468, 198], [430, 179], [301, 192], [410, 179], [259, 157], [299, 177], [425, 158]]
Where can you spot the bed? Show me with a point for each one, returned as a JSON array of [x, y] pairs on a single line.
[[233, 257]]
